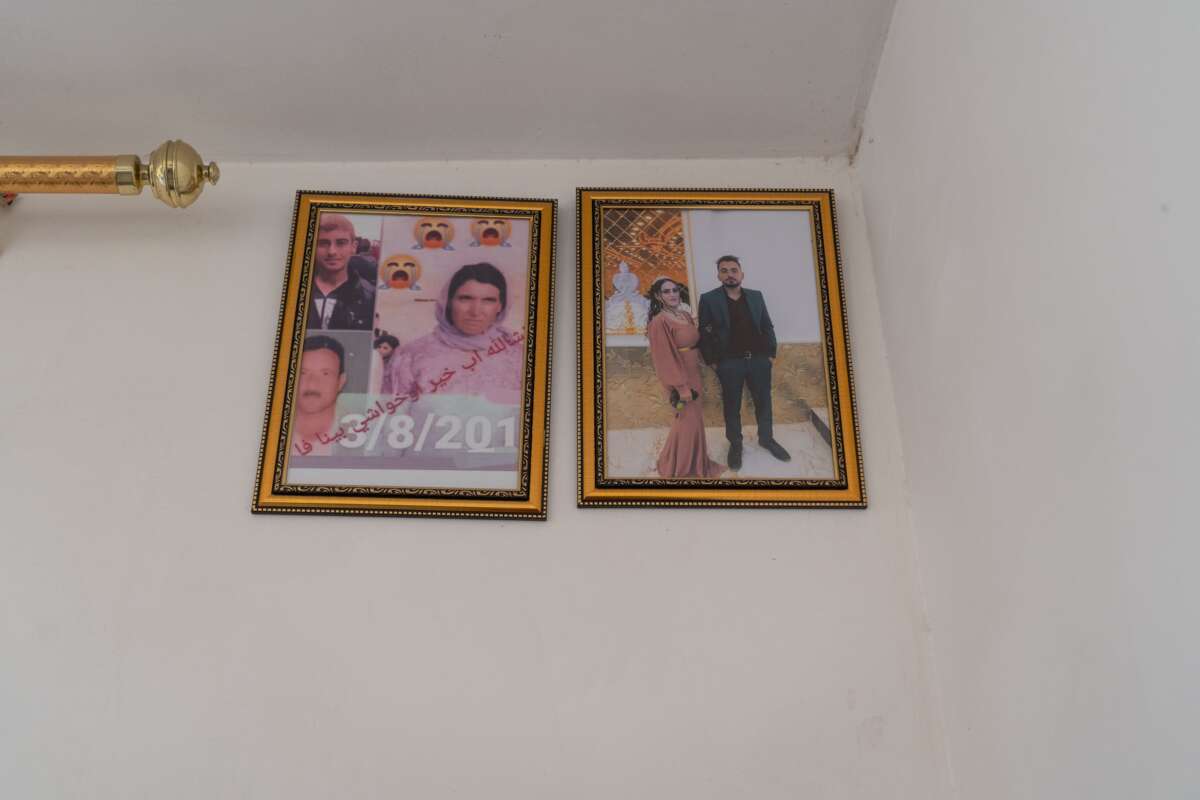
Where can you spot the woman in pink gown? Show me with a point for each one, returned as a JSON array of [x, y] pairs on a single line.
[[673, 338]]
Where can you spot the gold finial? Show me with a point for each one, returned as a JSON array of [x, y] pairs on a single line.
[[175, 173]]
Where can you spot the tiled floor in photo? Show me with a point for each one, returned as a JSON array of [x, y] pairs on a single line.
[[632, 453]]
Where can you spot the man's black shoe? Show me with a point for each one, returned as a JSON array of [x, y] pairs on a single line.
[[776, 449], [735, 455]]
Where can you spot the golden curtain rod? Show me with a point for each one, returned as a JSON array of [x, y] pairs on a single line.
[[174, 172]]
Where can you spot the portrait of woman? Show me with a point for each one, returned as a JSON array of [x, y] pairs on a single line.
[[470, 351], [673, 336]]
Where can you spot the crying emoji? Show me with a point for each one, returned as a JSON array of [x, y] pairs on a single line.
[[492, 232], [400, 271], [434, 233]]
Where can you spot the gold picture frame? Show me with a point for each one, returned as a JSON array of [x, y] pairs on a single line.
[[422, 349], [644, 349]]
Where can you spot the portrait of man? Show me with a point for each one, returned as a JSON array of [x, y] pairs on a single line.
[[322, 378], [737, 338], [341, 298]]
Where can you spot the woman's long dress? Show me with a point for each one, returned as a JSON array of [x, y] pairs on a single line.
[[677, 364]]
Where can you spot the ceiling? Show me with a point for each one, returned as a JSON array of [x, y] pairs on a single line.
[[361, 80]]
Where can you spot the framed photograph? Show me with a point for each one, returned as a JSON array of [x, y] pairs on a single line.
[[412, 365], [714, 361]]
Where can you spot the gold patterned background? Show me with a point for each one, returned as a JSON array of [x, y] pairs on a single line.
[[649, 240], [798, 382]]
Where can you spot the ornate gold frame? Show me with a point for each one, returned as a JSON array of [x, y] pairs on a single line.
[[526, 502], [847, 489]]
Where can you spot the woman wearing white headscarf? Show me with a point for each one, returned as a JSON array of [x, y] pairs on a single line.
[[470, 351]]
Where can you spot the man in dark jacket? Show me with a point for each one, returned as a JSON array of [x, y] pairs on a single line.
[[341, 300], [737, 338]]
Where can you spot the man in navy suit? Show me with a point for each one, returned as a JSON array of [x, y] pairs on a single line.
[[737, 338]]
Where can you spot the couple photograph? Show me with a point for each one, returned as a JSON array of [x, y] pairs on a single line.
[[734, 335], [716, 369]]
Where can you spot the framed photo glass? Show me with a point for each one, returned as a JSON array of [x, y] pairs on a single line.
[[714, 360], [412, 365]]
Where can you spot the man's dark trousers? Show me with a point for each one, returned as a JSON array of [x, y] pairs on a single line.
[[736, 372]]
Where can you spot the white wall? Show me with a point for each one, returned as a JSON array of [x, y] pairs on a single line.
[[1030, 180], [372, 80], [156, 640]]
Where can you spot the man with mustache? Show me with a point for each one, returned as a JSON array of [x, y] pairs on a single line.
[[737, 338], [322, 378], [341, 299]]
